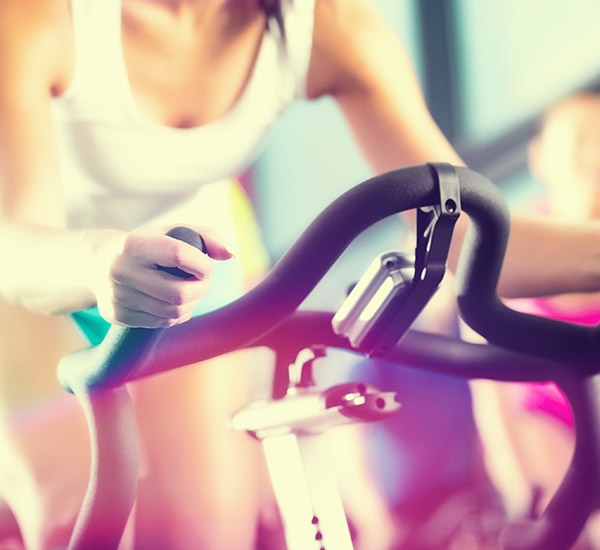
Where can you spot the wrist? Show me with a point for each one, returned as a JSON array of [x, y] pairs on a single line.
[[99, 248]]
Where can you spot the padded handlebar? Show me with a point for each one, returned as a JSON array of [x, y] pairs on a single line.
[[558, 351], [114, 362]]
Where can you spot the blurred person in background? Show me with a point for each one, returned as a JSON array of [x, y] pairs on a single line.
[[528, 428]]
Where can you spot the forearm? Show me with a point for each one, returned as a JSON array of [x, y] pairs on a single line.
[[544, 257], [48, 270]]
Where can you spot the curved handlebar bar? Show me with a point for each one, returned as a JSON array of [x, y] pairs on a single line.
[[114, 362], [559, 351], [282, 291]]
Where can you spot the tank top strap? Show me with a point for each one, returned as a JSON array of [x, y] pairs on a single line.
[[96, 28], [298, 17]]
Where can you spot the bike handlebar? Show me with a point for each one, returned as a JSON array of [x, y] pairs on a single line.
[[120, 358], [553, 350]]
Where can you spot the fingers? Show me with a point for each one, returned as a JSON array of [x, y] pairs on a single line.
[[134, 300], [169, 301], [215, 245], [149, 250], [140, 319], [131, 291], [158, 285]]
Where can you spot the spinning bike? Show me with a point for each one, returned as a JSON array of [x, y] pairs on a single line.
[[375, 321]]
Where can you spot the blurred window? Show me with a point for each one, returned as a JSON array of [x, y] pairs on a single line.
[[516, 56]]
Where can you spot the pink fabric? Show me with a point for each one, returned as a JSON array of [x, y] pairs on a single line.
[[546, 398]]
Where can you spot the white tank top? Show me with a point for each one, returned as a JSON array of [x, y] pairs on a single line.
[[121, 171]]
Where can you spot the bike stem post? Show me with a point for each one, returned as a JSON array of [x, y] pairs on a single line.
[[307, 493], [293, 433]]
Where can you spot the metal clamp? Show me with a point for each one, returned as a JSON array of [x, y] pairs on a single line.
[[390, 296]]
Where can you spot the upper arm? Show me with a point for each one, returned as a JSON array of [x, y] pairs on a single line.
[[360, 61], [30, 189]]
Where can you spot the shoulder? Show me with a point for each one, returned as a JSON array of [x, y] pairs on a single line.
[[35, 41], [349, 40]]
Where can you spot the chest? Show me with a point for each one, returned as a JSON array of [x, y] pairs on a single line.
[[191, 80], [181, 76], [141, 115]]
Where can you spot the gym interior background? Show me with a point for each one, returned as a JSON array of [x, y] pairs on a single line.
[[487, 69]]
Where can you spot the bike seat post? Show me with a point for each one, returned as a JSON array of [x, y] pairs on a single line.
[[293, 433], [307, 494], [302, 475]]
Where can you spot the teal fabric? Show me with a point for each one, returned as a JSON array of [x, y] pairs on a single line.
[[227, 285], [91, 324]]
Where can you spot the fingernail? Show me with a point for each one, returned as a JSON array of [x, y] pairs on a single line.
[[231, 247]]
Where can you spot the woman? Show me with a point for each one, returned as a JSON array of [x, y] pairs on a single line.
[[535, 420], [113, 112]]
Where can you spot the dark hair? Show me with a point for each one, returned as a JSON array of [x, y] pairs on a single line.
[[273, 10]]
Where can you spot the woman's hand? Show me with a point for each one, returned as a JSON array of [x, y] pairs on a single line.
[[131, 291]]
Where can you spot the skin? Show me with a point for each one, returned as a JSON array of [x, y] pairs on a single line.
[[568, 149], [202, 52], [565, 157]]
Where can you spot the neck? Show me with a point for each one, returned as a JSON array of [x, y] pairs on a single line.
[[200, 6], [194, 14]]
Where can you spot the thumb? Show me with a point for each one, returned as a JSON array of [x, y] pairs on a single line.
[[215, 244]]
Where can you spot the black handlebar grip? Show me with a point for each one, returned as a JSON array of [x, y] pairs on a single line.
[[128, 344], [189, 236]]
